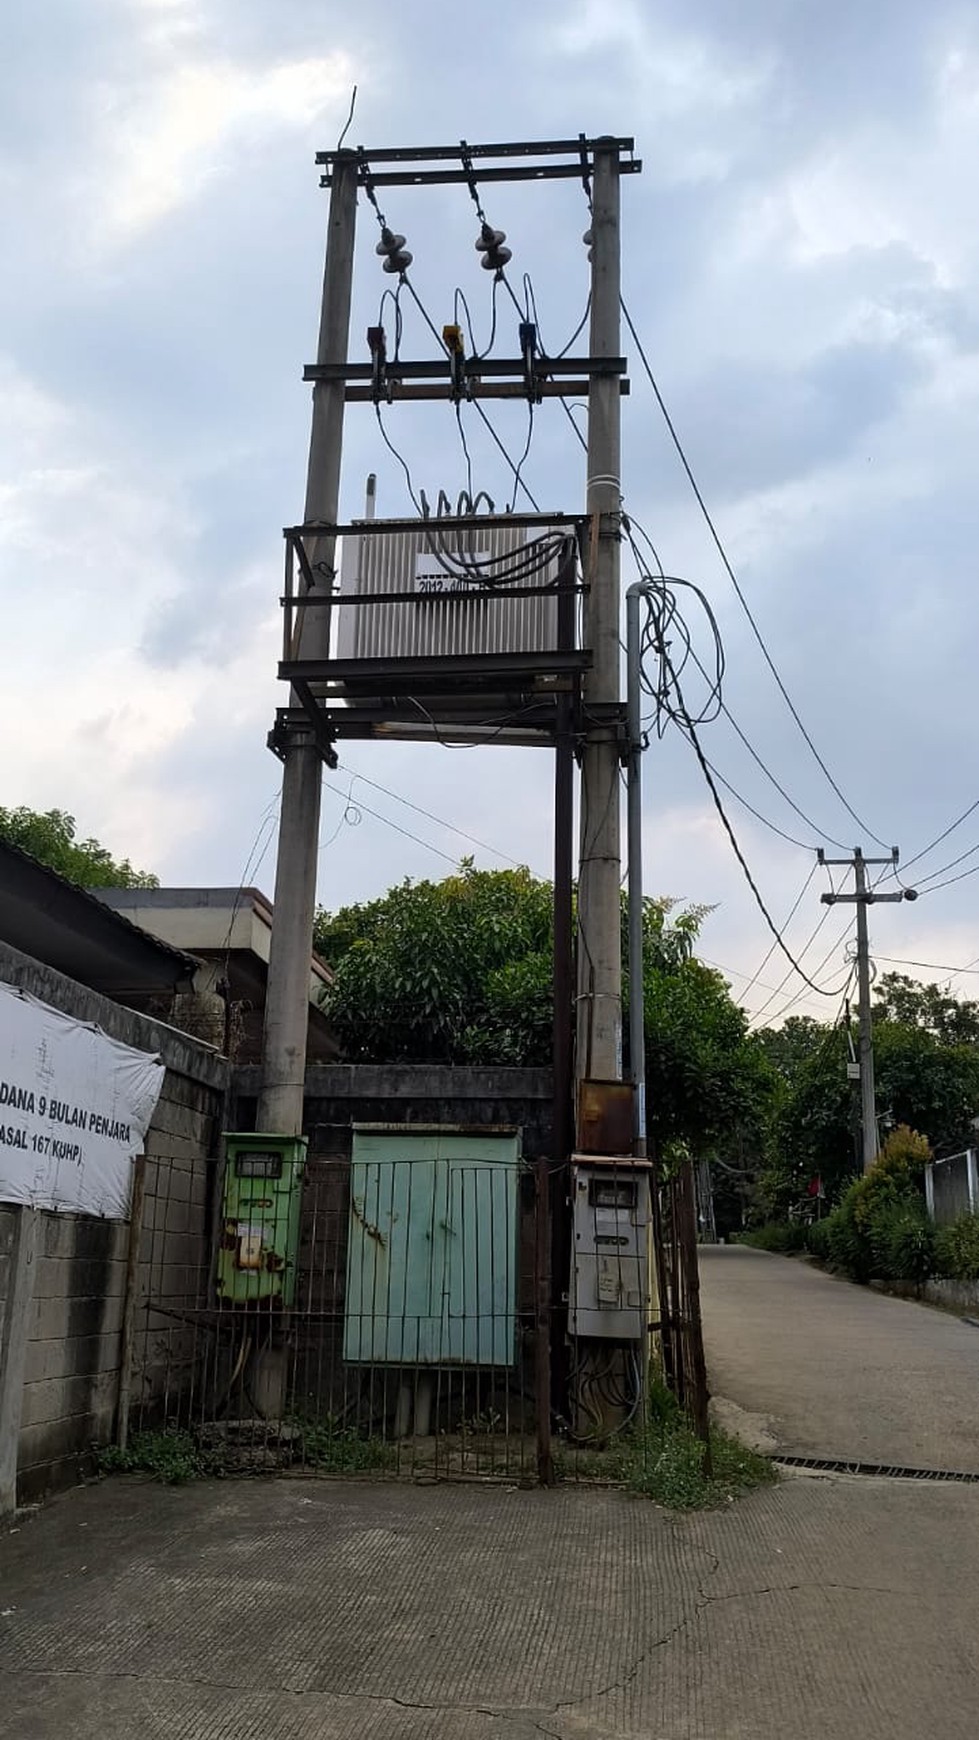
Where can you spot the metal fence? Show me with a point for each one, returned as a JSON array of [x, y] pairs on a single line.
[[952, 1187], [421, 1332]]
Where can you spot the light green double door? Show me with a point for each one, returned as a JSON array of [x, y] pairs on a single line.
[[432, 1247]]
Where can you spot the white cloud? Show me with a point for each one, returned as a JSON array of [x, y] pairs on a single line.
[[165, 139]]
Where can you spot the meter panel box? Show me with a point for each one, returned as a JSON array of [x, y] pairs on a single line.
[[610, 1274], [432, 1246], [258, 1254]]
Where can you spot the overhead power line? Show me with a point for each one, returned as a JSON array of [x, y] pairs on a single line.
[[752, 982], [944, 836], [408, 835], [429, 815], [715, 535], [929, 966]]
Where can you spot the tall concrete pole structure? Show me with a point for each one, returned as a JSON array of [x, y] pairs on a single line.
[[280, 1103], [865, 1051], [861, 898], [599, 1054]]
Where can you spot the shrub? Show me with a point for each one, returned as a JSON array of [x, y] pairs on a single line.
[[902, 1241], [895, 1174], [781, 1236], [845, 1245], [817, 1240], [957, 1249]]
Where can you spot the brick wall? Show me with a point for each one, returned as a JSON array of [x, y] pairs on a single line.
[[71, 1373]]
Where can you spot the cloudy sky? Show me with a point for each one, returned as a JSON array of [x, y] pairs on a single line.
[[801, 259]]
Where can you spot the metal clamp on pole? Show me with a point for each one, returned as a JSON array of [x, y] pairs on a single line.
[[458, 381], [380, 383]]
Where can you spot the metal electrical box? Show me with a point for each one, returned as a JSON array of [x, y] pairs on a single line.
[[453, 601], [610, 1265], [432, 1246], [258, 1254]]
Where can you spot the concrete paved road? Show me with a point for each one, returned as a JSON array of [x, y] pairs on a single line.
[[819, 1609], [840, 1370]]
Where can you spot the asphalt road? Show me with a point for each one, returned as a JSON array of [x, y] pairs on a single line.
[[838, 1370], [818, 1609]]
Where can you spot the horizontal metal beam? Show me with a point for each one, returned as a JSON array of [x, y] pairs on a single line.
[[496, 666], [414, 391], [352, 725], [473, 368], [452, 153], [520, 172], [449, 523]]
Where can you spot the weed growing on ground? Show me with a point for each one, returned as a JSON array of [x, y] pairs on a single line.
[[175, 1456], [333, 1448], [663, 1459], [171, 1456]]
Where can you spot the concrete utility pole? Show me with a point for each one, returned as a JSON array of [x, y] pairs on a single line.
[[280, 1104], [861, 898], [599, 926]]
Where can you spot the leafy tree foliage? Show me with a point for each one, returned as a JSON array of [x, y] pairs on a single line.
[[461, 971], [899, 1000], [49, 835], [927, 1076]]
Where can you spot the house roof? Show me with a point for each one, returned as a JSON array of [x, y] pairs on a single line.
[[71, 929], [209, 921]]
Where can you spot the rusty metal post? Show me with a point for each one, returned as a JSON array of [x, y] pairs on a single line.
[[128, 1337], [697, 1392]]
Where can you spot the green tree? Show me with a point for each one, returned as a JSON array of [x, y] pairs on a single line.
[[950, 1020], [461, 971], [790, 1047], [49, 835], [926, 1077]]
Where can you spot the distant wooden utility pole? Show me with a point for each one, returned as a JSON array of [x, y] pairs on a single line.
[[861, 898]]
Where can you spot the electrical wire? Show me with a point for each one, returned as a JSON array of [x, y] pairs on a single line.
[[715, 535], [690, 732], [944, 836], [828, 956], [804, 845], [635, 527], [518, 480], [785, 925], [429, 815], [930, 966], [948, 880], [931, 874], [378, 817], [389, 444]]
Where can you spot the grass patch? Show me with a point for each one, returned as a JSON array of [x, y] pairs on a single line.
[[783, 1238], [171, 1456], [175, 1456], [663, 1459], [336, 1449]]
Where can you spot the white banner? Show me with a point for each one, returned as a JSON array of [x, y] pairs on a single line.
[[75, 1106]]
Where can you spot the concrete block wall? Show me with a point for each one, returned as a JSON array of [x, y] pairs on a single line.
[[74, 1321]]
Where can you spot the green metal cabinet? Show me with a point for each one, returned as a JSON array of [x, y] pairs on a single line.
[[259, 1247], [432, 1247]]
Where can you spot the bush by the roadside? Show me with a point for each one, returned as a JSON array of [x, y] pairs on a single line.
[[783, 1237], [902, 1241], [817, 1239], [842, 1244], [957, 1249]]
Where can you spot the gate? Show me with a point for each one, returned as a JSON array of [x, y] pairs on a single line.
[[425, 1332]]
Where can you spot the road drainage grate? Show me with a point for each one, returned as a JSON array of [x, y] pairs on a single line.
[[882, 1470]]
